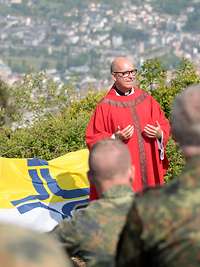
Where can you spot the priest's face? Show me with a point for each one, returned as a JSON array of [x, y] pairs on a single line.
[[123, 73]]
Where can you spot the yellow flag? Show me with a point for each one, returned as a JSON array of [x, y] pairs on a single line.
[[38, 193]]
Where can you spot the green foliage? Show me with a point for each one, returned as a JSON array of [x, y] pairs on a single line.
[[3, 101], [37, 95], [153, 78], [152, 73], [61, 116], [176, 160], [52, 135], [185, 75], [6, 108], [87, 104]]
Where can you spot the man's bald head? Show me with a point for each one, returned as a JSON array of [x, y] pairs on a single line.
[[121, 64], [124, 74], [109, 159], [186, 117], [20, 247]]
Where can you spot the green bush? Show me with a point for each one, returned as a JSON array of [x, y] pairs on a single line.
[[61, 127], [38, 95], [52, 135], [176, 160], [153, 78]]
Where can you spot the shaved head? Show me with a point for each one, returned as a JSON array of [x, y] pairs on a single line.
[[186, 117], [109, 159]]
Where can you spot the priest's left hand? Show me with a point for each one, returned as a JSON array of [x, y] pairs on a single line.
[[152, 131]]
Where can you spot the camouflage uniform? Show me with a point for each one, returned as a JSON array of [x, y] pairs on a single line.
[[20, 247], [94, 231], [163, 225]]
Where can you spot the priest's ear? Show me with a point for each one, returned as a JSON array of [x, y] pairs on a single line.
[[113, 76]]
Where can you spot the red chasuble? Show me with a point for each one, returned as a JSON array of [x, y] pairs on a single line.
[[137, 109]]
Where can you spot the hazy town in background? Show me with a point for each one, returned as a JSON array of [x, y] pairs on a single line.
[[74, 40]]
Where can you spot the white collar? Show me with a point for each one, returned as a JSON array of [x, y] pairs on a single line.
[[127, 93]]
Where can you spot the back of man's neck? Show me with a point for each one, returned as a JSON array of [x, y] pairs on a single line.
[[191, 151]]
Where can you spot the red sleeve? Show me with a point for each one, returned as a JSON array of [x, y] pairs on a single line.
[[97, 128]]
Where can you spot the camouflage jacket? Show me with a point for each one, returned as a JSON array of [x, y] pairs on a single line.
[[20, 247], [163, 225], [94, 231]]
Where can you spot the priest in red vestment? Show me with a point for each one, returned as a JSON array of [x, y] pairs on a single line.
[[132, 115]]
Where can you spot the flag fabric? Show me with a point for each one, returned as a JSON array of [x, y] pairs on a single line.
[[38, 194]]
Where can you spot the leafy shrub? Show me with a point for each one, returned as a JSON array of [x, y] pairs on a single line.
[[176, 160], [52, 135], [153, 78], [35, 96], [61, 117]]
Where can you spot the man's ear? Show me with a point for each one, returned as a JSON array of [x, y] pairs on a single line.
[[113, 77]]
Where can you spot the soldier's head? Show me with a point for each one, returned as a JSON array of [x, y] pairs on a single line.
[[21, 247], [186, 120], [110, 164], [123, 73]]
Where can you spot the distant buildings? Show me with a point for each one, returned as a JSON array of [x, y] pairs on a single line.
[[85, 40]]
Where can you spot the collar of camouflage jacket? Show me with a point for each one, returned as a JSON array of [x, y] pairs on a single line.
[[117, 191]]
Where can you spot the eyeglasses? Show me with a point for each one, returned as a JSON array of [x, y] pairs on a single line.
[[126, 74]]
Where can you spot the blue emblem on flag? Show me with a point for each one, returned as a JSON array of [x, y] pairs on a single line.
[[37, 176]]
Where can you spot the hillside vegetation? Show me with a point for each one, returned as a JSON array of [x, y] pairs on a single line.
[[40, 118]]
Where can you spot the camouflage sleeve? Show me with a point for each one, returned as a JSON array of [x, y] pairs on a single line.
[[130, 245], [65, 232]]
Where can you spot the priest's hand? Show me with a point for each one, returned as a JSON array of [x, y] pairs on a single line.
[[152, 131], [125, 133]]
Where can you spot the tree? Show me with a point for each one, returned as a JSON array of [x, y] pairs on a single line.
[[6, 108], [152, 74], [61, 116]]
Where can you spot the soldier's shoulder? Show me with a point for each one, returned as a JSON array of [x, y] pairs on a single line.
[[103, 208], [155, 197], [90, 212]]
